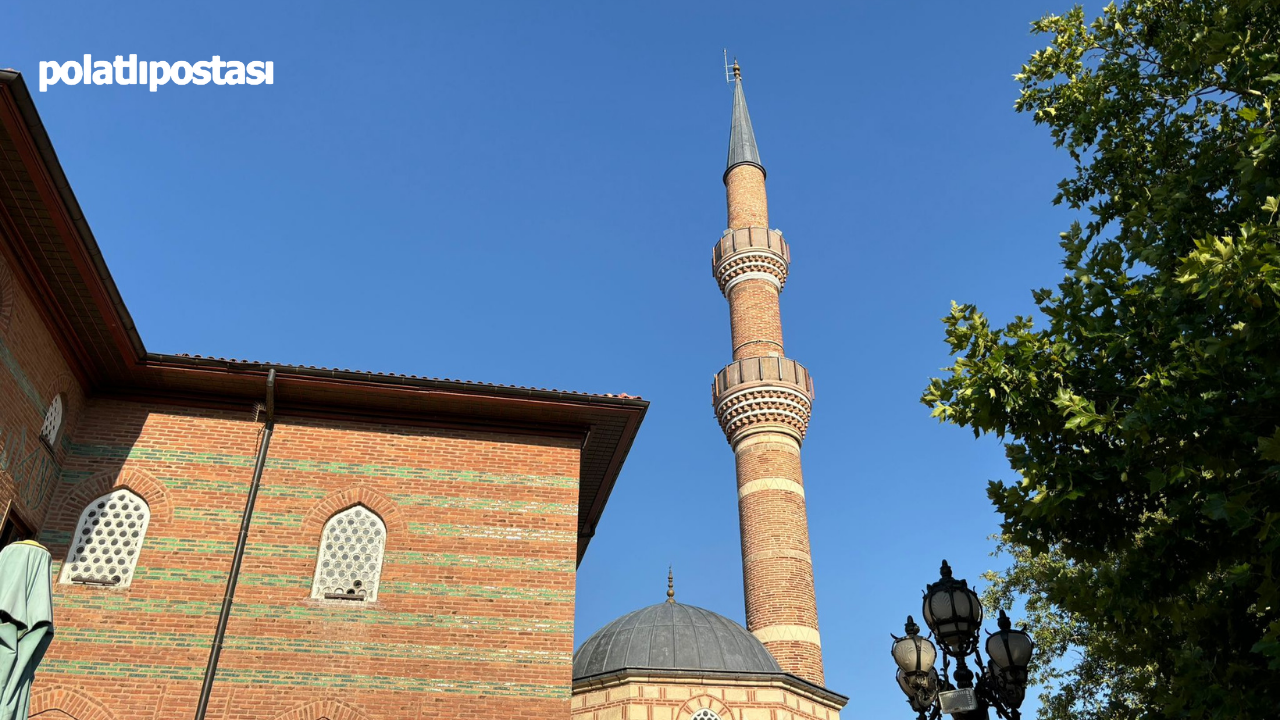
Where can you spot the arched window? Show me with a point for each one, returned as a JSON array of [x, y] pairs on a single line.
[[104, 549], [705, 714], [52, 421], [350, 560]]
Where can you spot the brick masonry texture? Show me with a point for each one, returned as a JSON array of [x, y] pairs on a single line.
[[748, 203], [33, 373], [474, 616], [673, 699], [476, 603], [777, 567], [755, 319], [777, 571]]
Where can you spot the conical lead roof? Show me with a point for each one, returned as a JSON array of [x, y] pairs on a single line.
[[742, 139]]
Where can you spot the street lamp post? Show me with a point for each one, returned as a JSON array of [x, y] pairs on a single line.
[[954, 616]]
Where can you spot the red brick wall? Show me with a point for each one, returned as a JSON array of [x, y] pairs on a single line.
[[474, 615], [32, 373]]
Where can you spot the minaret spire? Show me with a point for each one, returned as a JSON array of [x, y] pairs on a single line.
[[763, 400], [742, 139]]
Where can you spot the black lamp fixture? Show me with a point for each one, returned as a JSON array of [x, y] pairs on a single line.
[[953, 613]]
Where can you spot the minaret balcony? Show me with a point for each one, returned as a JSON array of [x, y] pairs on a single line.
[[763, 394], [750, 253]]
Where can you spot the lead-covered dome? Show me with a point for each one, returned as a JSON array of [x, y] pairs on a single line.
[[672, 636]]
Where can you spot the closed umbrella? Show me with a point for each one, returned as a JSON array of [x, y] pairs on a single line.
[[26, 622]]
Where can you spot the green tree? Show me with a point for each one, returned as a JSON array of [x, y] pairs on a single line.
[[1142, 414]]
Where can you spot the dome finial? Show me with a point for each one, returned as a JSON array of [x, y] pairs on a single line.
[[737, 71], [671, 586]]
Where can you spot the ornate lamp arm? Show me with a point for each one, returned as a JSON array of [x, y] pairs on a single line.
[[954, 613]]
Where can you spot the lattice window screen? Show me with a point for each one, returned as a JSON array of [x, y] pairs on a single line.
[[705, 714], [350, 560], [104, 549], [52, 420]]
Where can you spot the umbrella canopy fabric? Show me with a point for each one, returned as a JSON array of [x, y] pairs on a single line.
[[26, 622]]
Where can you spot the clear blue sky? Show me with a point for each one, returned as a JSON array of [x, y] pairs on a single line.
[[529, 193]]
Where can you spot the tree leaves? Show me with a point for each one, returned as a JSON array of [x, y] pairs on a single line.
[[1142, 412]]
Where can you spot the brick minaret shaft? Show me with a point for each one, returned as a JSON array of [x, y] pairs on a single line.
[[762, 400]]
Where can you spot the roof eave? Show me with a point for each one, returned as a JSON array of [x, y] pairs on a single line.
[[88, 244], [284, 371]]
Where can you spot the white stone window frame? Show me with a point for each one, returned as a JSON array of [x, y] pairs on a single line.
[[334, 543], [112, 527], [705, 714], [53, 417]]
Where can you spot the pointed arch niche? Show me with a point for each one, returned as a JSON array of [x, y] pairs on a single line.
[[349, 563]]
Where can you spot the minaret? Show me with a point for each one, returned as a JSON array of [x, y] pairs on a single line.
[[762, 400]]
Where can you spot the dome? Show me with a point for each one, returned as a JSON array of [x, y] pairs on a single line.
[[672, 636]]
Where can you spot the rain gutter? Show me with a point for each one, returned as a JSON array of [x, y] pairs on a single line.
[[220, 634]]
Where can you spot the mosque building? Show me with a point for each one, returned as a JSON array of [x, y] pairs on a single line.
[[243, 540]]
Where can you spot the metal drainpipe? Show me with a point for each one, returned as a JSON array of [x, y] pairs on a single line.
[[218, 636]]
